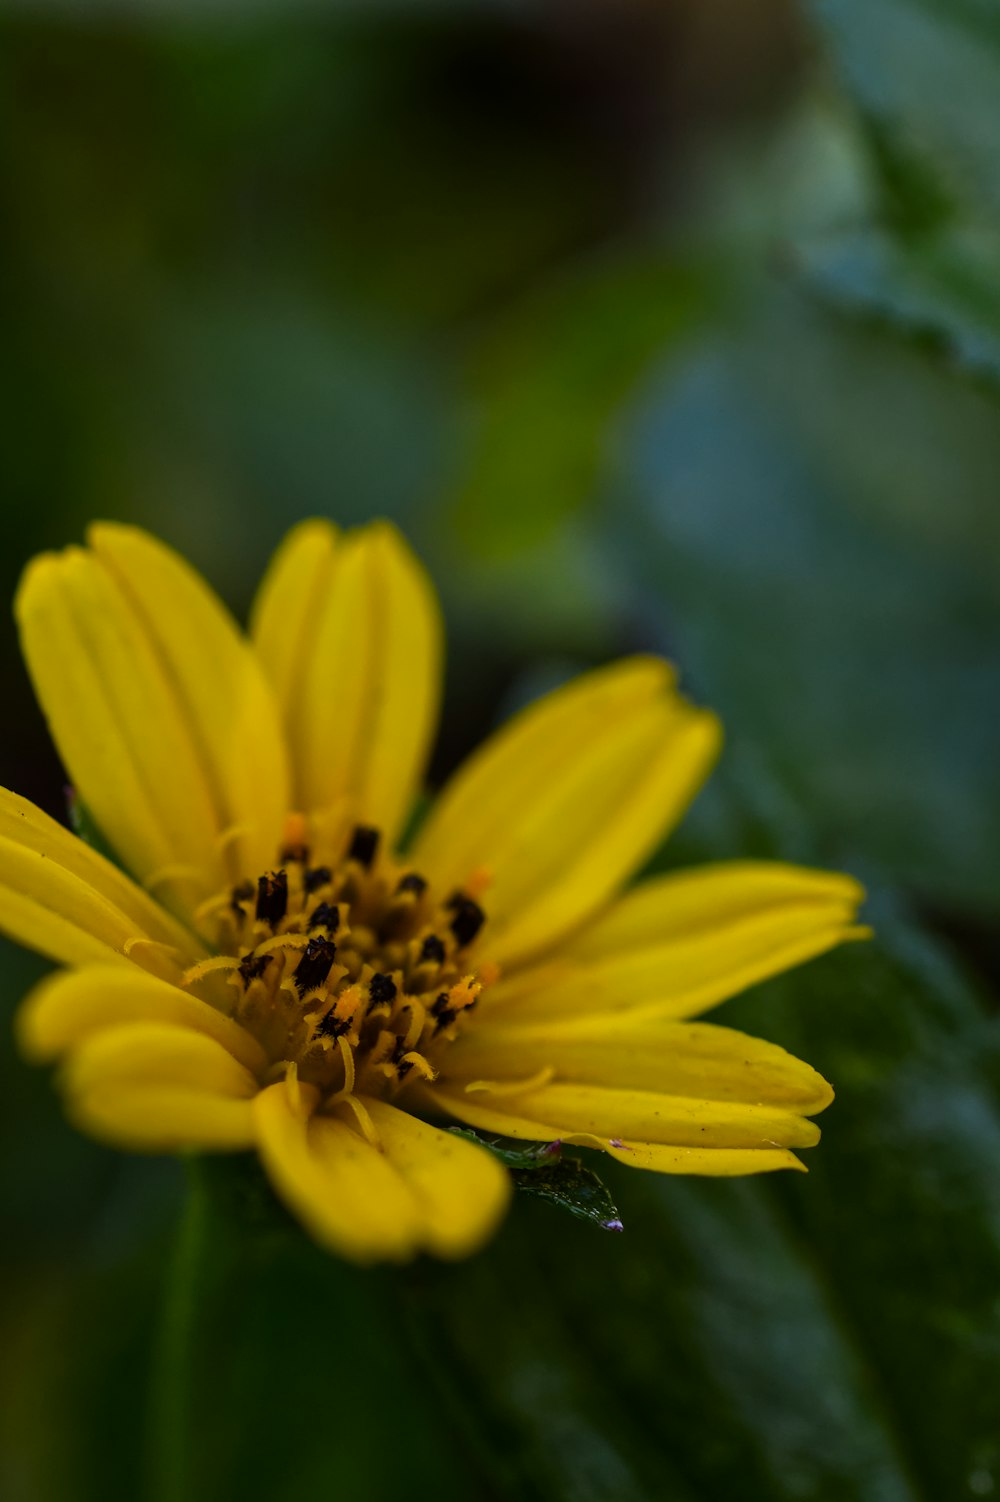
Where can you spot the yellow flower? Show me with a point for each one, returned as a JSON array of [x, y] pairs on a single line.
[[280, 976]]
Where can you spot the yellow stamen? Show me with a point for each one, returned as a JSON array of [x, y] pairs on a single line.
[[168, 875], [368, 1127], [282, 941], [347, 1054], [206, 967], [420, 1064], [511, 1087], [293, 1086], [229, 837]]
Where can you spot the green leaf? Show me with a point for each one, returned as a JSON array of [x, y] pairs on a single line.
[[926, 78], [944, 290], [928, 73], [566, 1181], [547, 383], [827, 585]]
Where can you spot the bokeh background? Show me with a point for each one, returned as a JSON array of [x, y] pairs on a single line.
[[654, 325]]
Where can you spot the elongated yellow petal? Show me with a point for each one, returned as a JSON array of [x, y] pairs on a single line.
[[226, 706], [350, 634], [677, 1058], [642, 1115], [681, 943], [117, 742], [65, 1009], [346, 1193], [715, 1163], [462, 1190], [158, 710], [486, 1115], [292, 596], [564, 803], [49, 908], [168, 1119], [152, 1087], [21, 823], [157, 1053], [710, 898]]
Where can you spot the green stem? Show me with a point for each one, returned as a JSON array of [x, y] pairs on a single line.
[[170, 1476]]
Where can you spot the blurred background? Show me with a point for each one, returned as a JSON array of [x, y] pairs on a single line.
[[654, 325]]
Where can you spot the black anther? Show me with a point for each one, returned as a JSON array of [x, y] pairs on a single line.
[[364, 846], [432, 950], [381, 988], [468, 920], [314, 966], [325, 916], [272, 897]]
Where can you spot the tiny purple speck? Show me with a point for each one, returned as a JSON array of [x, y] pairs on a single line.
[[612, 1225], [551, 1148], [615, 1142]]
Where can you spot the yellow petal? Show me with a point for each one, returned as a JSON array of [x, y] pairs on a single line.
[[461, 1189], [350, 634], [676, 1058], [565, 802], [710, 898], [291, 597], [716, 1163], [569, 1111], [157, 708], [681, 943], [66, 1008], [658, 1157], [346, 1193], [24, 825], [152, 1087], [117, 742], [222, 694], [53, 907]]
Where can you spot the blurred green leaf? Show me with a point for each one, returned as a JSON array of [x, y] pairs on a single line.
[[928, 73], [944, 289], [829, 587], [925, 75], [548, 382]]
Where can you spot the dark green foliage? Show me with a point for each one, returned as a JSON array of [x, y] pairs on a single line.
[[925, 78]]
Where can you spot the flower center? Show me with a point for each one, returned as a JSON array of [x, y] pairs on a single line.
[[355, 971]]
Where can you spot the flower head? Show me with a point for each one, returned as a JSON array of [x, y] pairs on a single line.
[[276, 973]]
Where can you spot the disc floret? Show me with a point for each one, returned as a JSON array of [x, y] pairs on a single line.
[[355, 971]]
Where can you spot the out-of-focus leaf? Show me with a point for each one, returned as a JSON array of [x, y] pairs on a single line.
[[944, 289], [562, 1178], [925, 75], [548, 383], [928, 72], [830, 588]]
